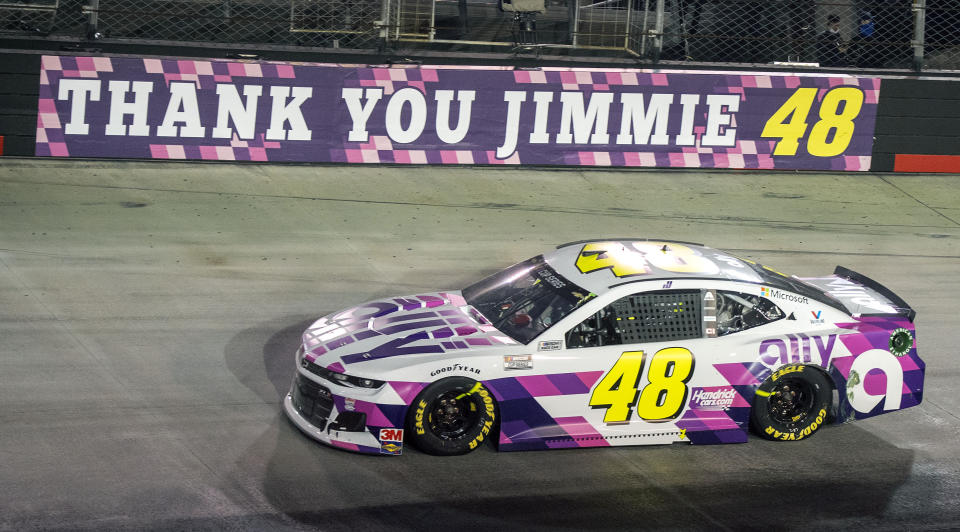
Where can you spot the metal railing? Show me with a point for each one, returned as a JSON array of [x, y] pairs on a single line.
[[848, 34]]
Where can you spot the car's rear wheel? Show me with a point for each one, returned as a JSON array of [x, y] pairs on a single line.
[[452, 416], [792, 403]]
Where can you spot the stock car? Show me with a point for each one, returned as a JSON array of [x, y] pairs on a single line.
[[603, 343]]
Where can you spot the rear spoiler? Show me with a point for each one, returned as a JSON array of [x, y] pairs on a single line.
[[861, 295]]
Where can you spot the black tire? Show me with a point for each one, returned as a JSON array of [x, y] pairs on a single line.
[[452, 416], [792, 404]]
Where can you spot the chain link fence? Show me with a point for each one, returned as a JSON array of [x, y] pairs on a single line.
[[36, 17], [841, 33], [848, 34], [941, 34]]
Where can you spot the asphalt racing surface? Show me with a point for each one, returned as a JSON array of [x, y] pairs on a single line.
[[149, 313]]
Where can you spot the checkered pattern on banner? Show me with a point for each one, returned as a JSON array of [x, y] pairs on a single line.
[[205, 74], [479, 147], [208, 73], [380, 149], [746, 154], [50, 140], [238, 150]]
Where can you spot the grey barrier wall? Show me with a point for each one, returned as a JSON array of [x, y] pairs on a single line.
[[19, 86], [917, 124]]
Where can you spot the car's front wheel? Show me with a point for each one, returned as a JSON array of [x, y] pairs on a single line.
[[792, 403], [452, 416]]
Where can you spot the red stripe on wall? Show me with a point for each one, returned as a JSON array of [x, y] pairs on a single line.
[[926, 163], [1, 144]]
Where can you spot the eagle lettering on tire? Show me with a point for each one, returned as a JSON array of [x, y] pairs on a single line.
[[452, 416], [792, 404]]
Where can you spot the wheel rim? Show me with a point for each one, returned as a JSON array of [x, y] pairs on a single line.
[[791, 401], [452, 414]]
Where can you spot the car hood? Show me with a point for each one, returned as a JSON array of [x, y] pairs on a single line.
[[434, 323]]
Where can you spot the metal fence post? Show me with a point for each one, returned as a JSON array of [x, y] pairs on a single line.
[[92, 20], [919, 36], [658, 31], [626, 32], [573, 13]]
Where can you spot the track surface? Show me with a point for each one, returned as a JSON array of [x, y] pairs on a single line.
[[150, 312]]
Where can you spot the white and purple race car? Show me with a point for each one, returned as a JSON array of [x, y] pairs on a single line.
[[602, 343]]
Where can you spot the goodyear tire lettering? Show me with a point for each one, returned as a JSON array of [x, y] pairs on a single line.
[[487, 425], [473, 407], [804, 419]]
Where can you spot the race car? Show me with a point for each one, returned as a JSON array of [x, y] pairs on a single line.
[[605, 343]]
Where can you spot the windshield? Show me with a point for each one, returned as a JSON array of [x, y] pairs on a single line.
[[525, 299]]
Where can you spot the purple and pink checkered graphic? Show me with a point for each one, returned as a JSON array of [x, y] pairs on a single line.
[[873, 340], [321, 127]]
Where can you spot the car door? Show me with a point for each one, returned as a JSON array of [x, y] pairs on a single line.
[[641, 351]]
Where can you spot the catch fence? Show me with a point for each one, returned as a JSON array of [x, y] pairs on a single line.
[[849, 34]]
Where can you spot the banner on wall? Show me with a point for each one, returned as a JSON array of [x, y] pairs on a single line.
[[271, 111]]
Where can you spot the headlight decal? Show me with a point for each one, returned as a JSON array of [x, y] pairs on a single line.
[[340, 378]]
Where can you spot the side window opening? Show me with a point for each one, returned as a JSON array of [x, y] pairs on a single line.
[[645, 317], [736, 311]]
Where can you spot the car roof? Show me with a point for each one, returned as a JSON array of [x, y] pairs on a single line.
[[599, 265]]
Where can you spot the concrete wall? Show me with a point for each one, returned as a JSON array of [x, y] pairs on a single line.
[[918, 126], [19, 85]]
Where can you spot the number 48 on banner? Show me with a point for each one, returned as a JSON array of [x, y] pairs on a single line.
[[829, 136]]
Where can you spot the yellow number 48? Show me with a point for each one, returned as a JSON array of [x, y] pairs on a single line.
[[789, 122], [662, 398]]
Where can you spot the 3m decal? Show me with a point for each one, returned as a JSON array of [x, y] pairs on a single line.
[[391, 441], [662, 398]]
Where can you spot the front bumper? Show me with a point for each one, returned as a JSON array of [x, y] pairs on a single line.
[[323, 411]]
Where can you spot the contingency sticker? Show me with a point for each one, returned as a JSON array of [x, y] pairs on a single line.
[[517, 362], [391, 441]]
